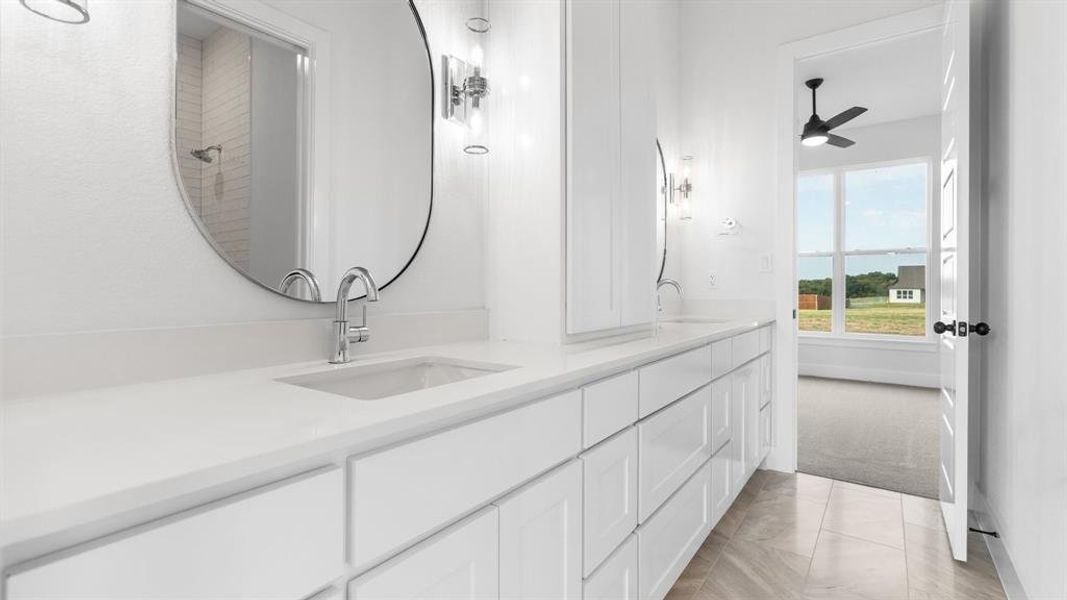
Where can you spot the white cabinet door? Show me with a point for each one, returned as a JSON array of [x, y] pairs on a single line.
[[671, 446], [541, 538], [721, 390], [743, 389], [752, 405], [638, 153], [459, 562], [765, 432], [721, 489], [610, 507], [766, 380], [669, 540], [616, 579], [282, 542], [593, 216]]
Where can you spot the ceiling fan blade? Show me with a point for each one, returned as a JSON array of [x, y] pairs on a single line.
[[845, 117], [840, 142]]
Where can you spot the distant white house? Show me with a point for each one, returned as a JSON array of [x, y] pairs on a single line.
[[910, 286]]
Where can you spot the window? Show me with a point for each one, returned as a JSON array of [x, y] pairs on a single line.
[[863, 249]]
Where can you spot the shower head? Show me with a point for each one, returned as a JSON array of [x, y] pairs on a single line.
[[204, 154]]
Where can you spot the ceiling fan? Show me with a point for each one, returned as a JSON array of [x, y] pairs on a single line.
[[817, 132]]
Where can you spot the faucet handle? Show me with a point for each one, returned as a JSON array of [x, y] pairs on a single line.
[[358, 333]]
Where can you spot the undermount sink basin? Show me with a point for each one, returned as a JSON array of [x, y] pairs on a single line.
[[373, 382]]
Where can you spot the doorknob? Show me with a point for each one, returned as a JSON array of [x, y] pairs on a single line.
[[980, 329], [940, 328]]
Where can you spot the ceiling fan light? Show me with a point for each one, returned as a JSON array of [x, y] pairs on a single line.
[[816, 138]]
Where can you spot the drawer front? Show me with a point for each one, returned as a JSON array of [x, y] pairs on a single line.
[[720, 412], [541, 537], [284, 542], [669, 540], [764, 339], [721, 489], [722, 358], [766, 380], [608, 407], [610, 485], [765, 432], [741, 388], [406, 492], [671, 378], [616, 579], [671, 446], [460, 562], [745, 347]]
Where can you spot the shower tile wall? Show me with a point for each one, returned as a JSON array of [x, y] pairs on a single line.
[[189, 117], [221, 190]]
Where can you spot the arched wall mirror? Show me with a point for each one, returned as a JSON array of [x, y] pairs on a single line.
[[303, 137], [663, 193]]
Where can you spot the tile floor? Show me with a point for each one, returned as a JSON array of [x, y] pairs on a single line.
[[809, 538]]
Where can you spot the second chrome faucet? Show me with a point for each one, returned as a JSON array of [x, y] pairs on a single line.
[[344, 333]]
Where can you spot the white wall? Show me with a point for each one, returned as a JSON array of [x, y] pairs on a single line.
[[903, 362], [729, 124], [1023, 474], [95, 235]]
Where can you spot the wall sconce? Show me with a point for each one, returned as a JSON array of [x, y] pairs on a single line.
[[64, 11], [465, 88], [681, 192]]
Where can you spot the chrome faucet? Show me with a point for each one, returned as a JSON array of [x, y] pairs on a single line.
[[662, 283], [346, 334], [309, 278]]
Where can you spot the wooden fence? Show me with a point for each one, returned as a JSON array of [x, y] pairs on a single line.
[[814, 302]]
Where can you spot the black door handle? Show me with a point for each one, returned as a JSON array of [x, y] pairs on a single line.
[[980, 329], [940, 328]]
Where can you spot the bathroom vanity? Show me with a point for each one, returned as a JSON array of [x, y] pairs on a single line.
[[593, 470]]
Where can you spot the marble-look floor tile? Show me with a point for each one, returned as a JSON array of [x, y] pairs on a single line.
[[922, 511], [847, 567], [728, 524], [798, 484], [857, 512], [789, 523], [933, 573], [747, 570]]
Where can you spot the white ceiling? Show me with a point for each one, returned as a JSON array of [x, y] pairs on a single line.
[[894, 80]]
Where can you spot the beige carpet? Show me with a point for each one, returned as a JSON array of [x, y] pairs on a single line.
[[874, 434]]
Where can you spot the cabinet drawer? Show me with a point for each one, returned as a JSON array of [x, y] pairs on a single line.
[[671, 446], [722, 358], [610, 485], [406, 492], [671, 378], [720, 412], [608, 406], [283, 542], [616, 579], [721, 490], [667, 542], [460, 562], [764, 339], [745, 347]]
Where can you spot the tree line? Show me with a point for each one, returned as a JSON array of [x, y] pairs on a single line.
[[867, 285]]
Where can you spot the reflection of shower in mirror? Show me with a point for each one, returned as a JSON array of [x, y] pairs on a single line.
[[204, 154]]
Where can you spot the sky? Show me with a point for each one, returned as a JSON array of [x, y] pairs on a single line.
[[885, 208]]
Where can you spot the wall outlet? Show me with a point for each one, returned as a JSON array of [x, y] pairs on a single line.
[[766, 263], [713, 280]]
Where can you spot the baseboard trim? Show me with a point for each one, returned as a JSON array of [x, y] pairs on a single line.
[[870, 375], [985, 518]]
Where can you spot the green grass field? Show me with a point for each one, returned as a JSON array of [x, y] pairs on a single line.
[[875, 317]]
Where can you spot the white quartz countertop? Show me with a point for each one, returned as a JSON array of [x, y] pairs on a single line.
[[86, 457]]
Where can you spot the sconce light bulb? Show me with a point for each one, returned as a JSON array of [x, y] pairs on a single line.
[[477, 56], [475, 120]]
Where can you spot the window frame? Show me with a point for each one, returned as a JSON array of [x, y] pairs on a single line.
[[839, 255]]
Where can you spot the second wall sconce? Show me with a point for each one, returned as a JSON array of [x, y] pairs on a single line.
[[682, 190], [465, 88]]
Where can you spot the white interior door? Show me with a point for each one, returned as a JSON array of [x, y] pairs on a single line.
[[956, 280]]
